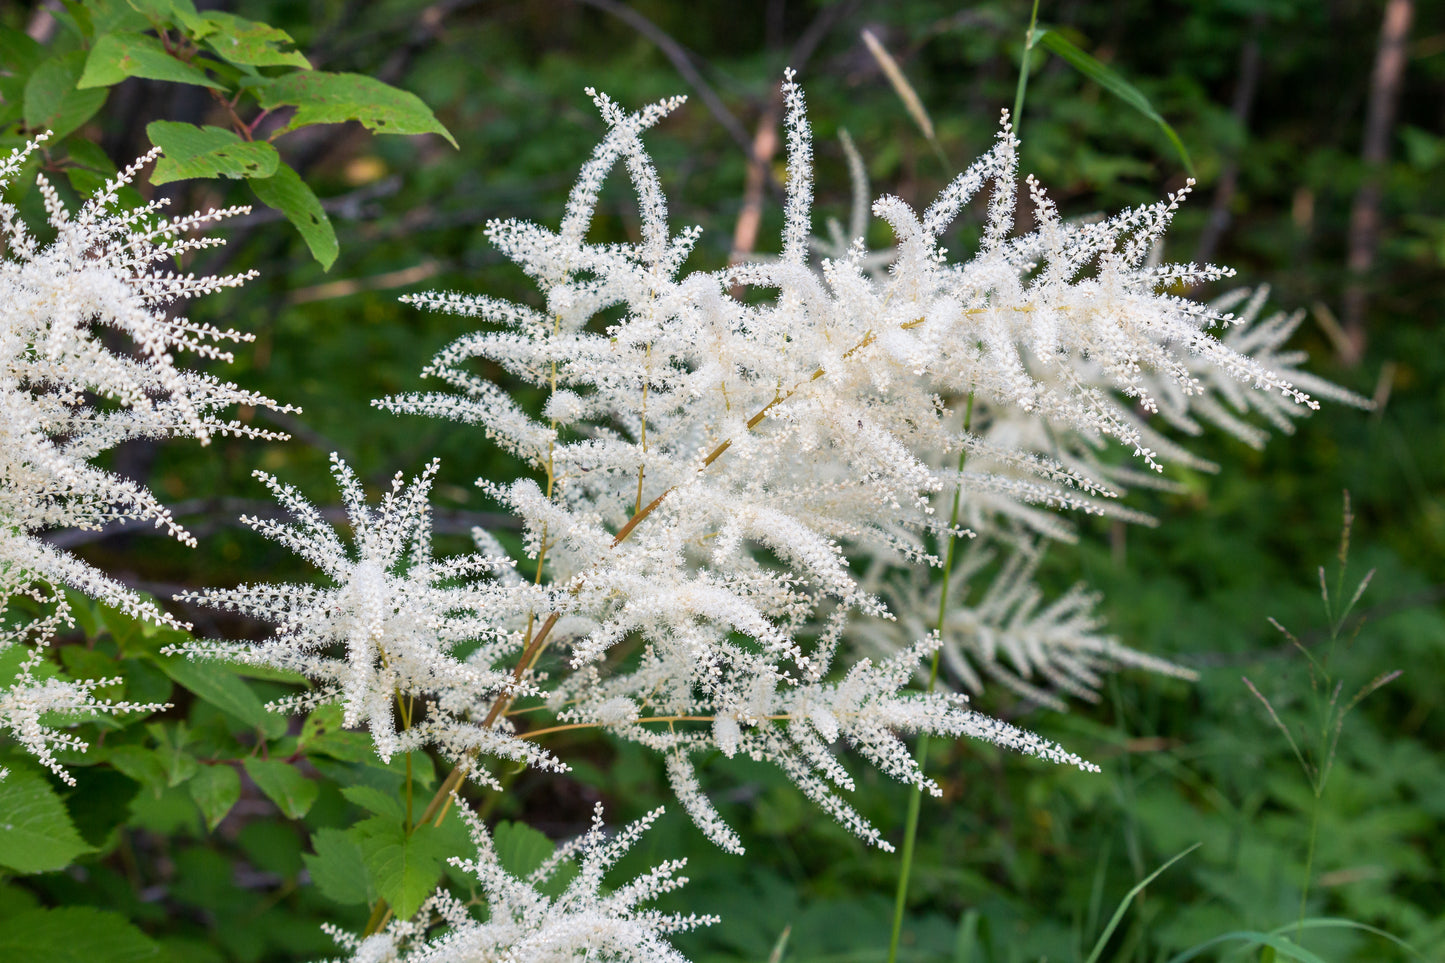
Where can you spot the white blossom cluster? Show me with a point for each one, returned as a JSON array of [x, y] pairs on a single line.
[[88, 348], [35, 692], [584, 921], [384, 637], [68, 392]]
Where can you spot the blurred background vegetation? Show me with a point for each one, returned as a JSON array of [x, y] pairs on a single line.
[[1319, 174]]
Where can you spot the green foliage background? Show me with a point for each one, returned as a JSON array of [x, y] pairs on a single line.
[[199, 846]]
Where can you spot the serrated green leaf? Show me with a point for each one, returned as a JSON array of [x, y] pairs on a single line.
[[117, 56], [220, 687], [520, 848], [288, 193], [75, 934], [1114, 84], [109, 16], [327, 98], [375, 801], [243, 41], [179, 12], [215, 790], [191, 151], [36, 834], [283, 784], [171, 739], [52, 101], [404, 868], [338, 868]]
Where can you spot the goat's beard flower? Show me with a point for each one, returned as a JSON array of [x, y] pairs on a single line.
[[67, 394], [583, 921]]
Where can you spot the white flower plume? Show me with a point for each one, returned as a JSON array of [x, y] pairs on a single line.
[[36, 696], [715, 468], [388, 631], [66, 394], [584, 921]]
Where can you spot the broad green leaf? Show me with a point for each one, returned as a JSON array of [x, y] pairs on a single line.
[[283, 784], [143, 765], [182, 13], [243, 41], [219, 686], [288, 193], [1114, 84], [215, 790], [117, 56], [338, 868], [112, 16], [19, 52], [375, 801], [171, 739], [520, 848], [191, 151], [36, 834], [52, 101], [326, 98], [75, 934], [404, 868]]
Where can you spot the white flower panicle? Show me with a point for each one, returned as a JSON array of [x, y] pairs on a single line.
[[712, 464], [66, 394], [383, 638], [526, 925], [36, 694]]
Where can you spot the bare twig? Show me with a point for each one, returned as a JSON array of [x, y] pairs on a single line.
[[1390, 58]]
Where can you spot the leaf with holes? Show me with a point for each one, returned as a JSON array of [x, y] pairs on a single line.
[[243, 41], [192, 151], [287, 193], [326, 98]]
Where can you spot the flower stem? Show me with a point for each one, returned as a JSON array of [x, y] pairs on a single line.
[[915, 797]]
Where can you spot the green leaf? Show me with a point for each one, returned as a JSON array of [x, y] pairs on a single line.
[[191, 151], [326, 98], [171, 739], [75, 934], [117, 56], [338, 868], [287, 193], [283, 785], [404, 868], [1114, 84], [52, 101], [19, 52], [243, 41], [375, 801], [36, 834], [215, 790], [141, 764], [520, 848], [182, 13], [217, 685]]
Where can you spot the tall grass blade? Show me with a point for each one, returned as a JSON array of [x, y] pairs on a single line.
[[1128, 899], [1114, 84]]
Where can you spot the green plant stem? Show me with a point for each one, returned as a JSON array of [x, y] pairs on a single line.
[[1023, 86], [915, 798]]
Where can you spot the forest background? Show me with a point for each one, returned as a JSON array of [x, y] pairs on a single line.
[[1318, 174]]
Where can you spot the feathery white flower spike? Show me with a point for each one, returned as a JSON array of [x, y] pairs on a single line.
[[66, 396], [715, 468], [525, 925], [385, 632]]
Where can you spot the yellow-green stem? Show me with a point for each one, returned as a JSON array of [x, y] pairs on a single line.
[[915, 798]]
